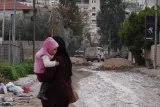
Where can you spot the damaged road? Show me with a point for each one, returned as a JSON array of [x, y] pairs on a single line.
[[105, 89]]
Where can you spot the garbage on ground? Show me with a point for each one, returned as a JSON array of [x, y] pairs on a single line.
[[3, 89], [10, 84], [26, 88], [8, 98], [24, 95], [11, 89], [18, 90], [1, 97], [6, 104]]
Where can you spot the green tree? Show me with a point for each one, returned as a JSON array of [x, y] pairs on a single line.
[[109, 19], [132, 34], [71, 16]]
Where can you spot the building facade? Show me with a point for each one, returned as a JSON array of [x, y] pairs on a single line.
[[42, 3], [91, 7]]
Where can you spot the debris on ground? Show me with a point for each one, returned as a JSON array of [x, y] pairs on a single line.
[[116, 64], [6, 104], [80, 61], [26, 88], [9, 91]]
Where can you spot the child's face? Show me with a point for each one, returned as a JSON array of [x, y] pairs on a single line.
[[53, 52]]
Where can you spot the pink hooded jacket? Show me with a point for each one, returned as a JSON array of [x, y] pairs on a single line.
[[48, 45]]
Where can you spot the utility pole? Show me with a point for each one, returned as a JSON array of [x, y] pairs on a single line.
[[110, 41], [34, 26], [3, 24], [155, 41], [52, 23], [14, 30], [14, 22]]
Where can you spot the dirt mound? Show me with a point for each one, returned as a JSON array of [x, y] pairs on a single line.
[[116, 64], [80, 61]]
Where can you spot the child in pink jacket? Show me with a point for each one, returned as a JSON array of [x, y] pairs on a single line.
[[43, 60]]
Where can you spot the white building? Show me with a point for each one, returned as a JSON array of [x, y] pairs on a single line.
[[133, 6], [42, 3], [92, 7], [149, 3]]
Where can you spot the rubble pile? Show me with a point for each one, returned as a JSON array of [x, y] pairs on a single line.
[[116, 64]]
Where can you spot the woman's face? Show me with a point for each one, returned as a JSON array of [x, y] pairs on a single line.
[[53, 52]]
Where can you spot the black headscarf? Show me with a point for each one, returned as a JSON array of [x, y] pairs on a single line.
[[62, 51]]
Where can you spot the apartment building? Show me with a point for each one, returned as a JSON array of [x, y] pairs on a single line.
[[132, 6], [42, 3], [150, 3], [91, 7]]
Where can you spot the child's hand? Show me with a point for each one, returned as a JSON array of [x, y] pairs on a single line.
[[57, 63]]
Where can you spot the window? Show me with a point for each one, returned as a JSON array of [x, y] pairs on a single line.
[[93, 14], [93, 8], [93, 21], [93, 1], [85, 8]]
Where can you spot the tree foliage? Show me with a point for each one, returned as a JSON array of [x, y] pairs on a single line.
[[110, 17], [68, 24], [132, 33], [71, 16]]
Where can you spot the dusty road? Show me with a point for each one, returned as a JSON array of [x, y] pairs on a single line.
[[106, 89]]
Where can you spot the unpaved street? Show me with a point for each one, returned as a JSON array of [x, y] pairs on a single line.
[[107, 89]]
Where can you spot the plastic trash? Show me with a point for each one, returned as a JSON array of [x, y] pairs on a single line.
[[26, 88], [8, 98], [18, 90], [1, 97], [5, 104], [11, 89], [5, 90], [10, 84], [1, 89]]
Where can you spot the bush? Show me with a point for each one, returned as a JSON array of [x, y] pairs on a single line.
[[13, 72], [24, 68], [28, 66], [20, 70], [8, 71], [3, 79]]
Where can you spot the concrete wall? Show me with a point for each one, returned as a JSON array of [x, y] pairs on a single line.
[[158, 54], [9, 12], [28, 47]]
